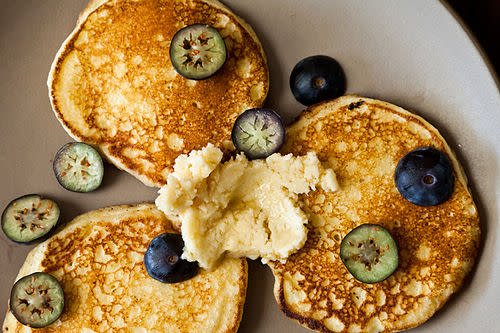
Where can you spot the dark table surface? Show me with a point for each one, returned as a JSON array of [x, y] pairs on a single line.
[[483, 19]]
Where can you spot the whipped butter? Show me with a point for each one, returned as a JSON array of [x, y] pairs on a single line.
[[241, 208]]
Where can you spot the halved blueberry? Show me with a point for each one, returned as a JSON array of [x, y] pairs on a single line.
[[424, 177], [197, 51], [163, 260], [317, 78], [29, 218], [37, 300], [369, 253], [78, 167], [258, 133]]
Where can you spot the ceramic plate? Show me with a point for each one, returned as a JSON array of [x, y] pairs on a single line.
[[411, 53]]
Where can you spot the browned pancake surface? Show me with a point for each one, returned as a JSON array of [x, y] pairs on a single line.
[[113, 84], [98, 259], [437, 245]]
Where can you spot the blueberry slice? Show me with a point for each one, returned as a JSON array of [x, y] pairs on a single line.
[[197, 51], [163, 260], [29, 218], [317, 78], [78, 167], [424, 177], [37, 300], [369, 253], [258, 133]]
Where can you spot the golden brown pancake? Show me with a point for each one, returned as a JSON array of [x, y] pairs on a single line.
[[98, 259], [363, 139], [112, 84]]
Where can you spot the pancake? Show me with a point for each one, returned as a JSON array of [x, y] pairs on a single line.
[[112, 84], [363, 139], [98, 259]]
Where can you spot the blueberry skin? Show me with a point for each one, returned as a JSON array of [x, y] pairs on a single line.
[[317, 78], [424, 177], [163, 262]]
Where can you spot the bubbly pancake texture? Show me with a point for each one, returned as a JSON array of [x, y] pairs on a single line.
[[98, 259], [112, 84], [363, 139]]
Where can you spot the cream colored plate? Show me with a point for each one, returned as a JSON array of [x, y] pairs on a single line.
[[411, 53]]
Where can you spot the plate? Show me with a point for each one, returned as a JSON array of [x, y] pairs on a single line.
[[411, 53]]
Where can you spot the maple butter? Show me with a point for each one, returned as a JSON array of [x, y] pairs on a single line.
[[241, 208]]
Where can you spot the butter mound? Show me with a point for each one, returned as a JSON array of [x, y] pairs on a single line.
[[241, 208]]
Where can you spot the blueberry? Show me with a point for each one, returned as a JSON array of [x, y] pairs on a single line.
[[78, 167], [197, 51], [369, 253], [424, 177], [258, 133], [317, 78], [163, 260], [37, 300]]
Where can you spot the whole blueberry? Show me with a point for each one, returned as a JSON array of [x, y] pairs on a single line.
[[424, 177], [163, 260], [317, 78]]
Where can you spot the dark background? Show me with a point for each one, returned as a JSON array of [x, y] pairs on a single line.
[[483, 19]]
